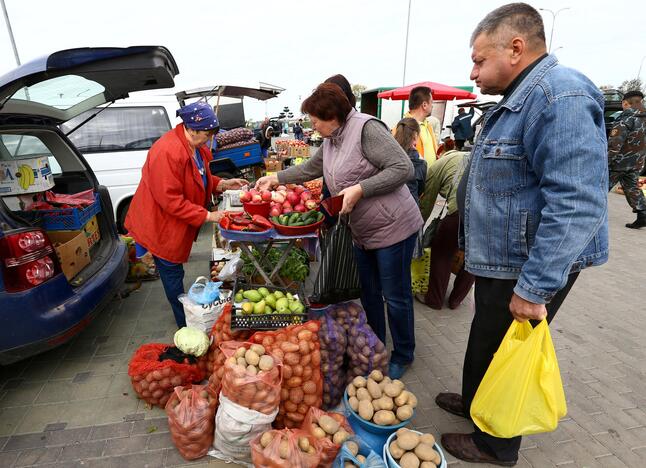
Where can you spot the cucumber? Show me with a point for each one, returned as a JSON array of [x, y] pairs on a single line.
[[294, 217]]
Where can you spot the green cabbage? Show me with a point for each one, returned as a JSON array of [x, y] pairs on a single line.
[[192, 341]]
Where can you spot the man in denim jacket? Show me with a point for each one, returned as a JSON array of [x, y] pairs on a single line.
[[533, 199]]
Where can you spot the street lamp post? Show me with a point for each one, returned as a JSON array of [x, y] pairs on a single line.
[[554, 15], [13, 41], [639, 73], [406, 48]]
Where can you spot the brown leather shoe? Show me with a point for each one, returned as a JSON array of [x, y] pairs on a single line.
[[451, 402], [463, 447]]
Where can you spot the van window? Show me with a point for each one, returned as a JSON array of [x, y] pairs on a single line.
[[118, 129]]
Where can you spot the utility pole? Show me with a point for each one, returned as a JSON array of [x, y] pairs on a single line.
[[13, 41], [554, 15], [406, 49], [639, 72]]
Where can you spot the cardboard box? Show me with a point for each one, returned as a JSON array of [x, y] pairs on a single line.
[[90, 231], [72, 251], [273, 165], [22, 176]]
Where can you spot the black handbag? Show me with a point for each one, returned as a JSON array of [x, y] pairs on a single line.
[[338, 277], [431, 230]]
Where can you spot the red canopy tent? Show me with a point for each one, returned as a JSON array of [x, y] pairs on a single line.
[[439, 91]]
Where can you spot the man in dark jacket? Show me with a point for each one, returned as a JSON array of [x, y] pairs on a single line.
[[461, 127], [626, 154]]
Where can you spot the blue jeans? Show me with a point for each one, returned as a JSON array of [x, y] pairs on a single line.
[[385, 273], [172, 277]]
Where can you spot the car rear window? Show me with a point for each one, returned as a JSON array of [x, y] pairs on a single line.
[[118, 129]]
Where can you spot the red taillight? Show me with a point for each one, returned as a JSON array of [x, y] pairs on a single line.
[[29, 260]]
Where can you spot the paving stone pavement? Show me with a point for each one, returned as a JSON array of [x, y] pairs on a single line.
[[74, 406]]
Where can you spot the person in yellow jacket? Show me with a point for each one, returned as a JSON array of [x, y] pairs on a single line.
[[420, 104]]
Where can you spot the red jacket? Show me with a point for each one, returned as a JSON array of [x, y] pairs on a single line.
[[168, 208]]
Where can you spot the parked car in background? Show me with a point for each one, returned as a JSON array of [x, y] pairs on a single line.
[[41, 307], [611, 107]]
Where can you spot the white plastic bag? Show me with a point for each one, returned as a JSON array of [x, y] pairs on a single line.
[[203, 317], [235, 428]]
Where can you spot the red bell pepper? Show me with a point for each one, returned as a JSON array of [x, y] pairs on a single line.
[[225, 223], [242, 221], [261, 221]]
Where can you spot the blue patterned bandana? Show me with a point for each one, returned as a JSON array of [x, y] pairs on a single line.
[[198, 116]]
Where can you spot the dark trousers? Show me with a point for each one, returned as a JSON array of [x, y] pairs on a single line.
[[385, 273], [490, 323], [628, 180], [172, 277], [443, 249]]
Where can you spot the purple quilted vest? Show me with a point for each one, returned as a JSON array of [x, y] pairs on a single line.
[[378, 221]]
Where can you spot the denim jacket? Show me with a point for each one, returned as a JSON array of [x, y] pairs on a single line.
[[536, 196]]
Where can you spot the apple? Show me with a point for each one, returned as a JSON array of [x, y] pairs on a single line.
[[253, 192], [275, 211], [299, 189], [311, 204], [300, 208], [287, 206], [265, 195], [256, 198], [287, 210], [278, 197], [293, 198], [281, 188], [307, 195], [245, 197]]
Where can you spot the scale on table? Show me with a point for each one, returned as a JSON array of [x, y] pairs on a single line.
[[232, 198]]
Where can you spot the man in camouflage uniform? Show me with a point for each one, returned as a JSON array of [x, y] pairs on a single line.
[[627, 152]]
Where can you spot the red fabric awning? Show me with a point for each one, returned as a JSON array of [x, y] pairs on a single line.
[[439, 91]]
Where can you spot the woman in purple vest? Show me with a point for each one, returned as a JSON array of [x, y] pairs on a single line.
[[361, 160]]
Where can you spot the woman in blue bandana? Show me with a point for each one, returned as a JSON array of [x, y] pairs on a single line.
[[170, 204]]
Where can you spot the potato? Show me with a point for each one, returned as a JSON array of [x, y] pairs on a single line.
[[340, 437], [412, 400], [352, 390], [407, 440], [386, 380], [373, 389], [303, 444], [258, 349], [366, 411], [425, 452], [384, 418], [383, 403], [427, 464], [266, 439], [253, 370], [409, 460], [266, 363], [359, 382], [427, 439], [283, 449], [363, 394], [402, 398], [361, 459], [319, 433], [240, 352], [241, 361], [393, 390], [404, 412], [353, 447], [252, 357], [377, 376], [328, 424], [395, 450], [354, 403]]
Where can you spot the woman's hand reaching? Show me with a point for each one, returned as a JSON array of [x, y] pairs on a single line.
[[267, 182]]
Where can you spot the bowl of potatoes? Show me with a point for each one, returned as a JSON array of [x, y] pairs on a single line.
[[378, 404], [412, 449]]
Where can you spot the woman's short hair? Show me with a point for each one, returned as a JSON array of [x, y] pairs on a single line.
[[327, 102], [343, 83]]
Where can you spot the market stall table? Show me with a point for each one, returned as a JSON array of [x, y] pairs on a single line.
[[246, 243]]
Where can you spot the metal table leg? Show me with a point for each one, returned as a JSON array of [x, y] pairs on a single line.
[[259, 268]]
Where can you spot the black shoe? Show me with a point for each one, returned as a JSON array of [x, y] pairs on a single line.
[[640, 222], [451, 402]]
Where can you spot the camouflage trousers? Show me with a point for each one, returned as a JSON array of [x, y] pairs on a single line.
[[628, 181]]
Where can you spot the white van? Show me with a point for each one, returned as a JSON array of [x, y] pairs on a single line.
[[115, 142]]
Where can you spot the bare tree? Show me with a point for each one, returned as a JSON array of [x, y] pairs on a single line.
[[634, 84], [357, 89]]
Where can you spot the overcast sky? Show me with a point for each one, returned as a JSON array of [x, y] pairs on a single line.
[[297, 44]]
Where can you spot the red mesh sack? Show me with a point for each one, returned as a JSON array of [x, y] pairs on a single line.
[[191, 419], [259, 391], [154, 380], [329, 449], [221, 332], [299, 349], [284, 449]]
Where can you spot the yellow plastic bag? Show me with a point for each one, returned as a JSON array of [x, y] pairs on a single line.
[[420, 270], [521, 392]]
